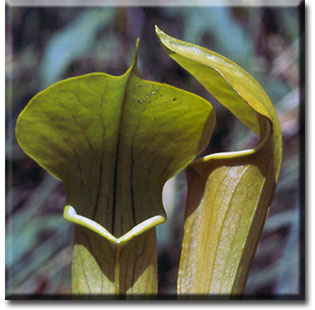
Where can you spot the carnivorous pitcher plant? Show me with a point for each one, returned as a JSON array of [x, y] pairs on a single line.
[[115, 140]]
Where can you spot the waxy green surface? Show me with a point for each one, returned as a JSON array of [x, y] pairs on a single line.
[[229, 194], [114, 141]]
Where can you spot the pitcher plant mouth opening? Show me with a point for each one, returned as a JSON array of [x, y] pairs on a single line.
[[71, 215]]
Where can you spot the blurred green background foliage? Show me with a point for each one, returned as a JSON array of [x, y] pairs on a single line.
[[44, 45]]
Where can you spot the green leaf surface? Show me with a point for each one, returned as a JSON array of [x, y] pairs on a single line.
[[114, 141], [229, 194]]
